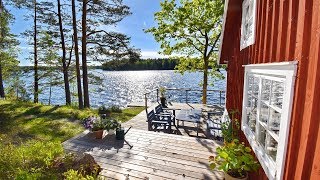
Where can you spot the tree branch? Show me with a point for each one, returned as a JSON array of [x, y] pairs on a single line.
[[214, 44]]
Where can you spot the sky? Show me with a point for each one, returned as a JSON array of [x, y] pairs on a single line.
[[133, 25]]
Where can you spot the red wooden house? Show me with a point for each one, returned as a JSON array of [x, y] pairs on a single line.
[[272, 48]]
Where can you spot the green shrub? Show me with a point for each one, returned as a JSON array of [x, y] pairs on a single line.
[[75, 175], [28, 161], [104, 110], [115, 109], [235, 159]]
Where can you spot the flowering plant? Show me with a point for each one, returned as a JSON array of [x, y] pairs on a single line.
[[89, 122]]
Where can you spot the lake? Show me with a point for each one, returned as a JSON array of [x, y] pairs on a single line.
[[124, 87]]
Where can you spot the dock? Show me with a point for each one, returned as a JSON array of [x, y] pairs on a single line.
[[153, 155]]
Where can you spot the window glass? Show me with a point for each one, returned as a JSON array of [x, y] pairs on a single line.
[[266, 113]]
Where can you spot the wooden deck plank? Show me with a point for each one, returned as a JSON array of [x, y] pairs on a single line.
[[151, 172], [153, 156], [144, 155]]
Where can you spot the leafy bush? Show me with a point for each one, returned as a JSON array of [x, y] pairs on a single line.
[[28, 161], [75, 175], [39, 160], [235, 159], [230, 128], [115, 109], [104, 110]]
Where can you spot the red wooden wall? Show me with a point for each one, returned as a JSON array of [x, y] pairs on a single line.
[[286, 30]]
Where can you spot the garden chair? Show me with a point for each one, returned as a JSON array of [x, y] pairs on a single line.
[[159, 120], [214, 123]]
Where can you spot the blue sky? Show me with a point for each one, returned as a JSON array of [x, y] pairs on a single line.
[[133, 26]]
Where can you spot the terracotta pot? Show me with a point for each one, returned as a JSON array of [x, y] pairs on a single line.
[[228, 177], [98, 134]]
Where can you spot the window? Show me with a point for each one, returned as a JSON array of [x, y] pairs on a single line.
[[248, 23], [266, 112]]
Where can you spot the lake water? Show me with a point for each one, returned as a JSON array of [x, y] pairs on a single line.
[[124, 87]]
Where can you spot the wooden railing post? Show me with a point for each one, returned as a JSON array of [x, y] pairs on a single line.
[[157, 95], [220, 97], [187, 95], [146, 102]]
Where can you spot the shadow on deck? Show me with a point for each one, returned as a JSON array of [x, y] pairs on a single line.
[[153, 156]]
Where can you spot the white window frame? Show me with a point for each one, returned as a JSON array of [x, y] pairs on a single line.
[[252, 5], [287, 70]]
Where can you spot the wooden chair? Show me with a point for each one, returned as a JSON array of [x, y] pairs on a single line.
[[214, 123], [155, 121]]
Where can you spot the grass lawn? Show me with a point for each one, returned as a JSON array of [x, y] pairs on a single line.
[[31, 136], [21, 121]]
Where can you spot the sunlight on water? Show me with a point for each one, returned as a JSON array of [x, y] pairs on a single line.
[[123, 87]]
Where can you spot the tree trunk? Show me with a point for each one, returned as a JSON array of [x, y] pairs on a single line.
[[76, 53], [64, 64], [205, 80], [2, 94], [35, 67], [84, 55]]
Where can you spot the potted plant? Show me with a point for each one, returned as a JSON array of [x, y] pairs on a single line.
[[98, 129], [235, 160], [111, 126], [163, 99]]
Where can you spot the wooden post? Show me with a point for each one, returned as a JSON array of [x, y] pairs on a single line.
[[220, 97], [157, 95], [187, 96], [146, 102]]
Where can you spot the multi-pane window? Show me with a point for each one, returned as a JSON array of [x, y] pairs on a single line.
[[268, 93], [248, 23]]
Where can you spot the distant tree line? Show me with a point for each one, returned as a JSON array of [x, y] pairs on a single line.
[[141, 64]]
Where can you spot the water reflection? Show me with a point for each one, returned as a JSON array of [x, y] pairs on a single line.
[[123, 87]]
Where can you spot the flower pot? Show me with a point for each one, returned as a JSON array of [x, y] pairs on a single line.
[[111, 132], [229, 177], [163, 101], [98, 134]]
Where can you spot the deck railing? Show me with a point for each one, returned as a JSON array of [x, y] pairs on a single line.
[[216, 94]]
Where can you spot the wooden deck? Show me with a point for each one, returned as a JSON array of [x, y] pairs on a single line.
[[189, 129], [153, 156]]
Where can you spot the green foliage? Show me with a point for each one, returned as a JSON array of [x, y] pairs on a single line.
[[98, 125], [230, 128], [162, 91], [28, 161], [111, 124], [234, 158], [190, 30], [127, 114], [104, 110], [22, 121], [8, 44], [115, 109], [141, 64], [75, 175]]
